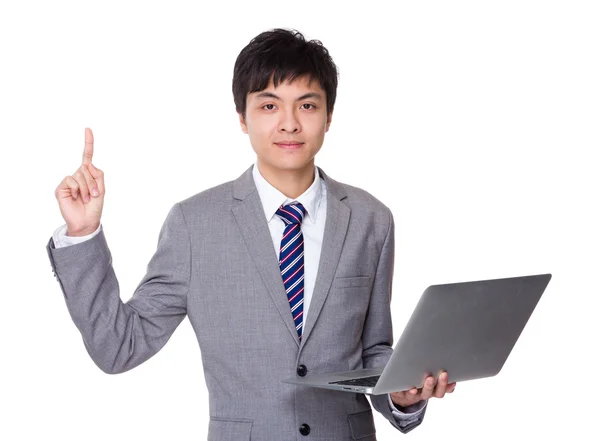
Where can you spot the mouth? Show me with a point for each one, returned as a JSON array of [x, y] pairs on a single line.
[[289, 145]]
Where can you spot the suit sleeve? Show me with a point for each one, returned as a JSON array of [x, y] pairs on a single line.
[[377, 337], [120, 336]]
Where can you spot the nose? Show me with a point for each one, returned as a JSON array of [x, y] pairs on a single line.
[[289, 122]]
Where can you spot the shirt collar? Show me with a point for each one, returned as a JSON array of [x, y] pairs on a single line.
[[272, 198]]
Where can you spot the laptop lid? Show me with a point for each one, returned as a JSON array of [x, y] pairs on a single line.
[[467, 329]]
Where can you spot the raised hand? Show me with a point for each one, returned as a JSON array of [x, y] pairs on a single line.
[[81, 196]]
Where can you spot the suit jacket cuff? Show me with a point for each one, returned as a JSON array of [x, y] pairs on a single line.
[[409, 413], [61, 239]]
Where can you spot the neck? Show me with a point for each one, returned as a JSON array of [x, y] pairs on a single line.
[[292, 183]]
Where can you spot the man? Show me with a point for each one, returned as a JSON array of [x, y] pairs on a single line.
[[281, 271]]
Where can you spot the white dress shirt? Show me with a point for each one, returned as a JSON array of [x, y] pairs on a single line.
[[314, 200]]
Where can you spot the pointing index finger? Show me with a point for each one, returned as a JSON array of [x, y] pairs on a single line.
[[88, 149]]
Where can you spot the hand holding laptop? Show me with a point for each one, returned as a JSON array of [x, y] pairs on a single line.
[[429, 389]]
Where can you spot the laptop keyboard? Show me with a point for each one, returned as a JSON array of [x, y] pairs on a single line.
[[364, 381]]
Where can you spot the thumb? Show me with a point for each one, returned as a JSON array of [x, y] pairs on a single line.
[[98, 176]]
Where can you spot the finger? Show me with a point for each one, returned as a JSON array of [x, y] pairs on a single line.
[[98, 175], [451, 388], [91, 182], [84, 191], [68, 187], [428, 386], [88, 149], [440, 388]]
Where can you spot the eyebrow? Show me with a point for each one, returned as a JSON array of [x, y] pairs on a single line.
[[300, 98]]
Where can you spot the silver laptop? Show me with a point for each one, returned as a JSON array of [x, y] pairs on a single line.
[[467, 329]]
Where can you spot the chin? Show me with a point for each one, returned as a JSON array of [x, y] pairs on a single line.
[[287, 163]]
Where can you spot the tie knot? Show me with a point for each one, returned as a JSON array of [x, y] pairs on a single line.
[[292, 213]]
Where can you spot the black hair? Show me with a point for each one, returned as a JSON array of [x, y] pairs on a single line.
[[284, 55]]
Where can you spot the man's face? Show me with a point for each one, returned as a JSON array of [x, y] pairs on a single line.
[[287, 125]]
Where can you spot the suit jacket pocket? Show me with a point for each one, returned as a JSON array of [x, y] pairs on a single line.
[[226, 429], [362, 426], [351, 282]]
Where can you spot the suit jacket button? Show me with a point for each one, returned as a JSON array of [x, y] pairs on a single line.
[[304, 429], [302, 370]]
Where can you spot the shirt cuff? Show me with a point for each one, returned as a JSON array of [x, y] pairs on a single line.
[[411, 412], [61, 239]]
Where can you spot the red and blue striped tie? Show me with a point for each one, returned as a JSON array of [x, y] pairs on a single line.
[[291, 259]]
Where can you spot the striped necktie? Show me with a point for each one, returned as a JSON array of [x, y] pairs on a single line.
[[291, 259]]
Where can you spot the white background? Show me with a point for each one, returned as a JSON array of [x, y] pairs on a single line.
[[475, 122]]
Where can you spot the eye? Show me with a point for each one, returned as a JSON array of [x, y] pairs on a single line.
[[271, 108], [308, 104]]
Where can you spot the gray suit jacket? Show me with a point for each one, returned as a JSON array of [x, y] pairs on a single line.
[[215, 262]]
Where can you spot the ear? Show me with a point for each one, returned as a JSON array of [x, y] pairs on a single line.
[[243, 123], [328, 121]]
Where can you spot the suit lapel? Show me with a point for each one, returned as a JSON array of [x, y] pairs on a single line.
[[336, 227], [251, 221]]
